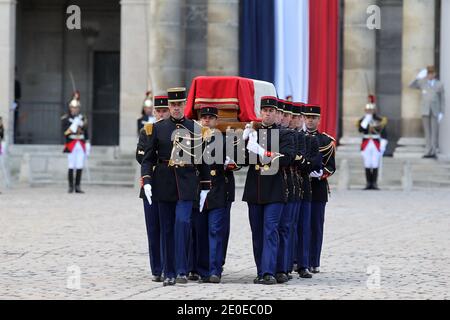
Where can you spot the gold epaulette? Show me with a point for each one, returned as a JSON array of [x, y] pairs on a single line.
[[206, 133], [384, 122], [332, 138], [148, 128], [65, 116]]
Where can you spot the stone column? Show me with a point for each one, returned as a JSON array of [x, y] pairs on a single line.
[[418, 48], [7, 63], [359, 64], [133, 69], [418, 52], [445, 78], [223, 38], [167, 44]]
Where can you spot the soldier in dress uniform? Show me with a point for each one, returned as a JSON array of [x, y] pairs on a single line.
[[217, 193], [319, 183], [284, 258], [171, 152], [151, 211], [308, 149], [280, 113], [75, 128], [373, 144], [147, 112], [266, 191]]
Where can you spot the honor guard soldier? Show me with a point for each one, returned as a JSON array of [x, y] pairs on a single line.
[[75, 128], [147, 115], [319, 183], [173, 183], [151, 211], [374, 142], [284, 257], [217, 193], [266, 191], [308, 160]]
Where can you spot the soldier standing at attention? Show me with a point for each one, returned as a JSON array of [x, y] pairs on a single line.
[[147, 112], [266, 191], [151, 211], [319, 183], [372, 146], [77, 144], [176, 183]]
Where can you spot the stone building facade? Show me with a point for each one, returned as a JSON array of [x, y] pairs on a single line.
[[129, 46]]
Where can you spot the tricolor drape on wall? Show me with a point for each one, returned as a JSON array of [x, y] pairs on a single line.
[[294, 44]]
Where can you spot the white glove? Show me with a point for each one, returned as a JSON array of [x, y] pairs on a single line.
[[316, 174], [148, 193], [440, 117], [366, 121], [422, 74], [75, 124], [227, 161], [88, 149], [256, 148], [248, 129], [253, 137], [203, 195]]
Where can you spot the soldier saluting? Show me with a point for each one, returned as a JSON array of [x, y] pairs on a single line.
[[266, 191], [175, 181], [75, 128]]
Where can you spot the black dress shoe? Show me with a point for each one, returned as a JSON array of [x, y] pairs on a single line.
[[214, 279], [304, 273], [193, 276], [157, 279], [169, 282], [78, 189], [269, 280], [258, 280], [71, 190], [281, 277], [315, 270], [182, 279]]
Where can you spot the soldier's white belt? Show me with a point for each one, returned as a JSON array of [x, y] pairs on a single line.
[[76, 136], [372, 136]]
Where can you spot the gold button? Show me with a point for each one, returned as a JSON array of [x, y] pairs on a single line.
[[266, 168], [257, 167], [213, 173]]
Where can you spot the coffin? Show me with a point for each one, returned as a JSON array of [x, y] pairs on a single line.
[[237, 99]]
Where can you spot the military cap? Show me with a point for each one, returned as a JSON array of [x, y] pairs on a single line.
[[161, 102], [176, 94]]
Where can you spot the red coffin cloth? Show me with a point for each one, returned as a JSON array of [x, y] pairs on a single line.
[[230, 88]]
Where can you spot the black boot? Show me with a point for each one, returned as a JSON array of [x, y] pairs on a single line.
[[78, 181], [368, 179], [70, 176], [374, 179]]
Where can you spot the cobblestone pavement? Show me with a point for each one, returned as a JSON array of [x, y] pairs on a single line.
[[43, 232]]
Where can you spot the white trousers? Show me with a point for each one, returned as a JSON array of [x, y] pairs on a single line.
[[371, 156], [76, 157]]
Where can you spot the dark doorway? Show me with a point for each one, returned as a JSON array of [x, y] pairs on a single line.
[[389, 68], [105, 109]]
